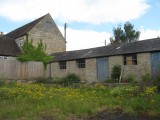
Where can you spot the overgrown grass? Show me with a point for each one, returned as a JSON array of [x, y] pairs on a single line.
[[33, 101]]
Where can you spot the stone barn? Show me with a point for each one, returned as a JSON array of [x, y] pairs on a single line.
[[95, 64]]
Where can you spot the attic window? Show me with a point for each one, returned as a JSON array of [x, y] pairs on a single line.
[[21, 43], [48, 25], [81, 63], [3, 57], [130, 59]]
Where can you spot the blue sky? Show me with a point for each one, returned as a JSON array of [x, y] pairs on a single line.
[[90, 22]]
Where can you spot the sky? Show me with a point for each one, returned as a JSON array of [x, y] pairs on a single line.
[[89, 22]]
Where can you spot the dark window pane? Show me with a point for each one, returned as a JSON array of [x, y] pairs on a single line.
[[134, 62], [62, 65], [130, 59], [81, 63]]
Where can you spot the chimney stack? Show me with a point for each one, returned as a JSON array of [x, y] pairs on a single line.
[[1, 34], [65, 27]]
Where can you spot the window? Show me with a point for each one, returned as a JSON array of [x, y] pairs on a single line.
[[21, 43], [130, 59], [62, 65], [48, 25], [81, 63], [3, 57]]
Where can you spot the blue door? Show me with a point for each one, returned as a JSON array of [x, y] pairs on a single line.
[[102, 68], [155, 64]]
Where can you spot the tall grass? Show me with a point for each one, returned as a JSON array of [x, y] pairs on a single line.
[[32, 101]]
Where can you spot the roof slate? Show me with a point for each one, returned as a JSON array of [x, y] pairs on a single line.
[[8, 47], [24, 29], [110, 50]]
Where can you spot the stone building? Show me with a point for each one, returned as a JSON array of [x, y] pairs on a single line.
[[95, 64], [43, 28]]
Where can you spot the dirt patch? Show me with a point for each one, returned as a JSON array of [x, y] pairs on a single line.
[[116, 115]]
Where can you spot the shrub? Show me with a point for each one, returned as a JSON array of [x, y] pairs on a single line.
[[71, 78], [2, 82], [157, 83], [45, 80], [129, 78], [34, 53], [116, 72], [146, 77], [157, 80], [67, 80]]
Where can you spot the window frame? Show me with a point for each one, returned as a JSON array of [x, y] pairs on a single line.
[[3, 58], [62, 65], [130, 59], [48, 25], [21, 42], [81, 63]]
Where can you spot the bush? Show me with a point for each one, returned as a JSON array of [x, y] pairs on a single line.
[[67, 80], [2, 82], [129, 78], [157, 83], [34, 53], [146, 77], [116, 72], [71, 78], [45, 80]]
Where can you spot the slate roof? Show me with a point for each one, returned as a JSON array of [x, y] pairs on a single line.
[[110, 50], [24, 29], [8, 47]]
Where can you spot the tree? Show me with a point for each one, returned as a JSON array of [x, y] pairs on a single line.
[[124, 35], [33, 53]]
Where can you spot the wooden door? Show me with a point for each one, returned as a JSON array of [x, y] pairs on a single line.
[[155, 64], [102, 68]]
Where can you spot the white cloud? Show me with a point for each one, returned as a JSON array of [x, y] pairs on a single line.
[[83, 39], [92, 11], [149, 33]]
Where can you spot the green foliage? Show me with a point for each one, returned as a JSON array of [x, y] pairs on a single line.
[[33, 53], [124, 35], [71, 78], [2, 82], [47, 101], [116, 72], [129, 78], [110, 81], [157, 83], [67, 80], [146, 77]]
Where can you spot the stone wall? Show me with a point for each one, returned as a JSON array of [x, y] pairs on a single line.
[[13, 69], [88, 73], [143, 66], [51, 35]]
